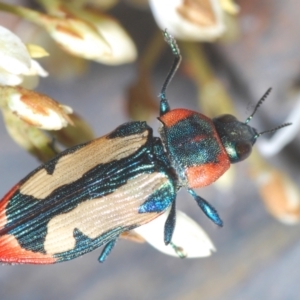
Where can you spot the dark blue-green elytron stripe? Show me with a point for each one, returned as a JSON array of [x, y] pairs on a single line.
[[84, 244], [128, 129]]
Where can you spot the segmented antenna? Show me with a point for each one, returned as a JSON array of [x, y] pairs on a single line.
[[261, 100], [164, 105], [273, 129]]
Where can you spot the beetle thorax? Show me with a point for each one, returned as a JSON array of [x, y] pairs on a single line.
[[193, 147]]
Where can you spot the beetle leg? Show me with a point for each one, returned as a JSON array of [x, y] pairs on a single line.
[[170, 224], [107, 249], [208, 209]]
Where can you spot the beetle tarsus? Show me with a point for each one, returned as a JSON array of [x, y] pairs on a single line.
[[178, 250], [208, 209], [170, 224], [107, 249]]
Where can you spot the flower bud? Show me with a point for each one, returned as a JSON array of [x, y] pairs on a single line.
[[117, 46], [36, 109], [77, 37]]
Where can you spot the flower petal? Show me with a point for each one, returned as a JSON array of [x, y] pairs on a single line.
[[36, 69], [36, 51], [188, 236], [14, 57], [7, 78]]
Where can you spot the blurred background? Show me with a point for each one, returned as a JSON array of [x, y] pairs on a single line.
[[225, 70]]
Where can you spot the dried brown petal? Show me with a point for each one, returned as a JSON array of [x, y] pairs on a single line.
[[198, 12], [132, 236], [281, 196]]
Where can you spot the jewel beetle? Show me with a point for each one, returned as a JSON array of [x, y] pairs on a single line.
[[89, 194]]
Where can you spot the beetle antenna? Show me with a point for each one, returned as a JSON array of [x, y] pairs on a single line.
[[164, 105], [273, 129], [261, 100]]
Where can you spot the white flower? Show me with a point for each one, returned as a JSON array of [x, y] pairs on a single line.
[[195, 20], [35, 109], [15, 60], [189, 239]]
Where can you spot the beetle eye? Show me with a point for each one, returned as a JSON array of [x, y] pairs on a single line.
[[226, 118], [243, 150]]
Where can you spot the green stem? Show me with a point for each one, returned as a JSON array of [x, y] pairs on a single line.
[[152, 52], [26, 13], [50, 6], [194, 55], [213, 97]]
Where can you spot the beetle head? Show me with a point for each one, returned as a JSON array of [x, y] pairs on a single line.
[[237, 137]]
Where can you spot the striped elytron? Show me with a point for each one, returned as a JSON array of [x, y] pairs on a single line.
[[90, 194]]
